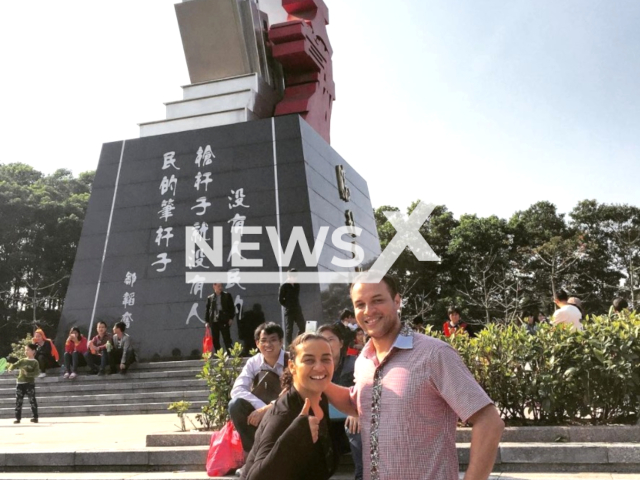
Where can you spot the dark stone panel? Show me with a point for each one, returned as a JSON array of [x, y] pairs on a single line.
[[331, 158], [289, 151], [307, 196], [288, 127], [293, 200], [81, 296], [291, 175], [110, 154], [327, 171]]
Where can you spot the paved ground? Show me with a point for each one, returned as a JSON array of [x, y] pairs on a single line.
[[116, 432], [127, 432]]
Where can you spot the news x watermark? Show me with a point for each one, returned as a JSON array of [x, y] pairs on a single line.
[[407, 236]]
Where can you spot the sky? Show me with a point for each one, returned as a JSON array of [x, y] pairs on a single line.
[[485, 107]]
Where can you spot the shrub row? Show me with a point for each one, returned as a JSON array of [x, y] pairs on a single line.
[[559, 376]]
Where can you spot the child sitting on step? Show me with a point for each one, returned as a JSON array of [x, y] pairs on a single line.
[[28, 371]]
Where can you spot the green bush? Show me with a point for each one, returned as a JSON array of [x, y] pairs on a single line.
[[17, 349], [220, 372], [559, 376]]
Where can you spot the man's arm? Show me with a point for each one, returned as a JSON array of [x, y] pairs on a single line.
[[340, 397], [207, 311], [126, 345], [242, 385], [486, 431]]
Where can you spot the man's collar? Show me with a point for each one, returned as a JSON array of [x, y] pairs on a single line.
[[280, 360], [404, 341]]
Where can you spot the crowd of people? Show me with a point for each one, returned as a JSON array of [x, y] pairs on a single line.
[[361, 385]]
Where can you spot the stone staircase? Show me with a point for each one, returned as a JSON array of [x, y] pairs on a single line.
[[146, 388]]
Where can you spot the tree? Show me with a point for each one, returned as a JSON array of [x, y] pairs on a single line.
[[45, 215], [483, 248], [615, 234], [548, 252]]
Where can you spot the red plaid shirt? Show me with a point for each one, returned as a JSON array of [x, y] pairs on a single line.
[[421, 389]]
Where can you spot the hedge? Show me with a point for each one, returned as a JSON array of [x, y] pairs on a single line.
[[559, 376]]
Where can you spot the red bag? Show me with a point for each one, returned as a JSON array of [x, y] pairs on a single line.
[[207, 341], [225, 451]]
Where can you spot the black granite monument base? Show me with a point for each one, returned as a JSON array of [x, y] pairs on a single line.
[[130, 263]]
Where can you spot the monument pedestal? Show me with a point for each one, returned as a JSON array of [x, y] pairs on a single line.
[[277, 172], [215, 103]]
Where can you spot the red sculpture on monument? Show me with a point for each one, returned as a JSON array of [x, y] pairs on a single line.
[[302, 46]]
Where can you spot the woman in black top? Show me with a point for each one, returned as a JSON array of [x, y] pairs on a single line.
[[293, 441]]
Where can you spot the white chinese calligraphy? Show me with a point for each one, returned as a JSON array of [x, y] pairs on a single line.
[[237, 196], [164, 234], [203, 158], [202, 203], [168, 184], [194, 313], [127, 318], [167, 209], [169, 160], [129, 299], [130, 279], [163, 260], [204, 179]]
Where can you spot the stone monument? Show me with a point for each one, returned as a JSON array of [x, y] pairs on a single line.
[[245, 151]]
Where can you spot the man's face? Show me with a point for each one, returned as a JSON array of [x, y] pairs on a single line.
[[217, 287], [454, 317], [102, 329], [269, 345], [116, 331], [376, 310]]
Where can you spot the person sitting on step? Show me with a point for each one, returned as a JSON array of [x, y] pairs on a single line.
[[97, 350], [74, 350], [122, 354], [258, 384], [46, 353]]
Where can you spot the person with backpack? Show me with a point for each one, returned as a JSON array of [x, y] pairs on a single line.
[[258, 385]]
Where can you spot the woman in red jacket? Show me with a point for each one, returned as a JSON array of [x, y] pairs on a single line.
[[74, 350]]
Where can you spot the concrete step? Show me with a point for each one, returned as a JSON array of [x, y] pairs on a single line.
[[45, 411], [95, 387], [513, 435], [195, 122], [511, 457], [111, 398], [8, 379], [134, 460], [340, 475]]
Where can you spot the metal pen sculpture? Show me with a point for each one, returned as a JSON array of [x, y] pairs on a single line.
[[278, 49]]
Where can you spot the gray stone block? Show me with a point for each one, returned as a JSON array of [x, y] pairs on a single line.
[[553, 454], [558, 434], [126, 458], [40, 459], [179, 457], [464, 451], [619, 453], [187, 439]]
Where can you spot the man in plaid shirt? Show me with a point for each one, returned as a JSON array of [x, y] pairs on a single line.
[[410, 390]]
